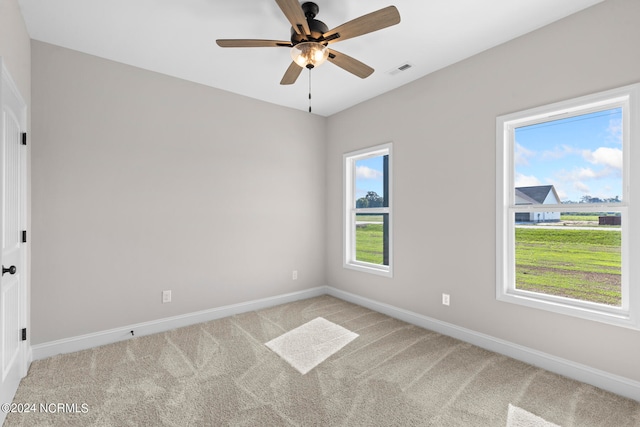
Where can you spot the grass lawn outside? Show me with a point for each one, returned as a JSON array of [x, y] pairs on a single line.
[[573, 263], [578, 264], [369, 242], [584, 220], [569, 217], [369, 218]]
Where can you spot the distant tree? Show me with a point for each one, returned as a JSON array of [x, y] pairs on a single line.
[[371, 200], [589, 199]]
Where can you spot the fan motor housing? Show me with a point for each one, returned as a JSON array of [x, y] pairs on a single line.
[[318, 28]]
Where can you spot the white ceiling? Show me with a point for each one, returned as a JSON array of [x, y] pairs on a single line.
[[177, 38]]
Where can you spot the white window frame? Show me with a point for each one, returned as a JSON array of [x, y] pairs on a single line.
[[627, 315], [350, 210]]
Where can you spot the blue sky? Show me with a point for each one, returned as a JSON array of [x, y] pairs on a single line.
[[369, 176], [580, 155]]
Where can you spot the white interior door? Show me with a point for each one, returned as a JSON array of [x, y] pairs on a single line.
[[13, 295]]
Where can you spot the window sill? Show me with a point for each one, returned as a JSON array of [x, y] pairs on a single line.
[[370, 268], [590, 311]]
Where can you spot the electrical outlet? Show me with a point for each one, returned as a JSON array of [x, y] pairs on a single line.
[[166, 296], [294, 275], [446, 299]]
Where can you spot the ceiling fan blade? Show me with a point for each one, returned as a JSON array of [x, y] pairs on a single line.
[[291, 75], [295, 15], [252, 43], [350, 64], [368, 23]]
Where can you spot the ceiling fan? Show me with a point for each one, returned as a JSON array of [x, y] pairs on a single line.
[[310, 38]]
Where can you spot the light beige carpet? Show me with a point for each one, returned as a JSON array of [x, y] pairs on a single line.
[[221, 373]]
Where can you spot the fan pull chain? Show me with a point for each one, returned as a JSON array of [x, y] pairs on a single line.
[[309, 89]]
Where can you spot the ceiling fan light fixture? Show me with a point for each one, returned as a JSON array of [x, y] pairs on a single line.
[[309, 54]]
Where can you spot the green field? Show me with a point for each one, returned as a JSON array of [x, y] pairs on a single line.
[[579, 264], [369, 239], [369, 218], [572, 217]]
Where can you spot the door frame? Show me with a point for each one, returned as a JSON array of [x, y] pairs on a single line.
[[25, 355]]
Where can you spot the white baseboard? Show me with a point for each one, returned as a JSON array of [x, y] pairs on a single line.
[[605, 380], [83, 342], [602, 379]]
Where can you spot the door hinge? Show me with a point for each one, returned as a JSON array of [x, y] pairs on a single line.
[[24, 236], [24, 138], [24, 334]]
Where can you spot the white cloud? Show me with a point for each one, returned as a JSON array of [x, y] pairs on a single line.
[[615, 131], [561, 193], [365, 172], [526, 180], [608, 157], [579, 179], [558, 152], [581, 187], [584, 173], [521, 155], [581, 174]]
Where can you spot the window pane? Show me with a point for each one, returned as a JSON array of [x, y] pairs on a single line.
[[571, 160], [367, 233], [370, 238], [370, 191], [578, 256]]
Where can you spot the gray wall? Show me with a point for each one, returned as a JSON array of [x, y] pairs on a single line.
[[443, 130], [144, 183], [15, 46]]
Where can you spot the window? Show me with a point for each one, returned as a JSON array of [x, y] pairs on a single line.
[[564, 212], [367, 206]]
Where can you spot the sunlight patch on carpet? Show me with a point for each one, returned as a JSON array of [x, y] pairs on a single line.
[[518, 417], [306, 346]]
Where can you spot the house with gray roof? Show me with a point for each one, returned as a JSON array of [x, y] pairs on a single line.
[[537, 195]]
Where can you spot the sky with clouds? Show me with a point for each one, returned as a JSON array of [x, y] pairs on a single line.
[[580, 156], [369, 176]]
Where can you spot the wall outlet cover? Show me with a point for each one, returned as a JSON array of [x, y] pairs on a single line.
[[166, 296]]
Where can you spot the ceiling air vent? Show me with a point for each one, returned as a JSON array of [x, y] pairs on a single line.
[[403, 67]]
